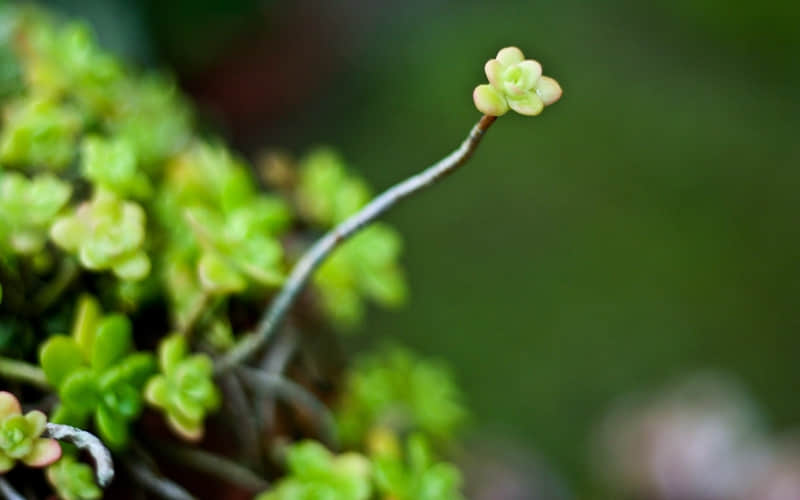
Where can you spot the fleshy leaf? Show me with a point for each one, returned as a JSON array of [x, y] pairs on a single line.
[[45, 452], [529, 104], [156, 392], [112, 342], [84, 329], [113, 428], [489, 100], [171, 351], [9, 405], [59, 357], [79, 391]]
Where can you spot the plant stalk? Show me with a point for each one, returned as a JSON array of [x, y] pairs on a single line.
[[20, 371], [315, 255]]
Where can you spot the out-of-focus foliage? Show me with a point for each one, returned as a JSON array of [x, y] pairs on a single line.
[[396, 390], [73, 480], [413, 473], [315, 473]]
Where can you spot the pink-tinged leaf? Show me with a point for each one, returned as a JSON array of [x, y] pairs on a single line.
[[489, 100], [510, 55], [44, 453], [549, 90], [494, 70], [37, 420], [9, 405]]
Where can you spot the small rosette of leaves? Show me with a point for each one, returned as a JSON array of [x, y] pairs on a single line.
[[106, 233], [39, 132], [516, 83], [326, 192], [315, 473], [365, 267], [184, 390], [112, 165], [73, 480], [96, 374], [20, 436], [223, 235], [394, 389], [28, 207], [415, 475], [240, 247]]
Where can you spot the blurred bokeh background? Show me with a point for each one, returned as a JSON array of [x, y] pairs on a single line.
[[642, 229]]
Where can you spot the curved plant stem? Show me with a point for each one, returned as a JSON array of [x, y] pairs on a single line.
[[214, 465], [244, 420], [155, 483], [315, 255], [20, 371], [103, 463], [7, 491], [264, 383]]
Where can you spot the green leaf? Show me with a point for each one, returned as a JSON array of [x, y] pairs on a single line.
[[217, 276], [59, 357], [84, 329], [136, 368], [171, 351], [79, 392], [112, 342], [113, 427]]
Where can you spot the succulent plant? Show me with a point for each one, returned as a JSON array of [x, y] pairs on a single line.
[[184, 390], [73, 480], [20, 436], [315, 473], [516, 83], [396, 390], [95, 373]]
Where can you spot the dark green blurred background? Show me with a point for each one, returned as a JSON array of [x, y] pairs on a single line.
[[644, 227]]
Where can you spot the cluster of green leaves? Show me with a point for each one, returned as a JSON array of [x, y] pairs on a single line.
[[394, 404], [184, 390], [365, 266], [315, 473], [73, 480], [96, 374], [392, 473], [397, 390]]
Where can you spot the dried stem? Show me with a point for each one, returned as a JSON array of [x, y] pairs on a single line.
[[8, 492], [104, 465], [244, 420], [20, 371], [263, 383], [214, 465], [315, 255], [154, 482]]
